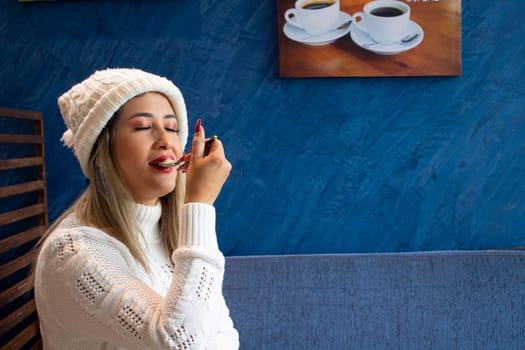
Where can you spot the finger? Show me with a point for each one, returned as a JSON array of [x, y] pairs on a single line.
[[209, 144], [183, 168], [216, 148], [197, 145]]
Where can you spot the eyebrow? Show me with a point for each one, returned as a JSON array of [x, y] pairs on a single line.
[[150, 115]]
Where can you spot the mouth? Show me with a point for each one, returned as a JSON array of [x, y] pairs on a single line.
[[165, 161]]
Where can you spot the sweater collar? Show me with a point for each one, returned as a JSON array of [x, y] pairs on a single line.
[[148, 218]]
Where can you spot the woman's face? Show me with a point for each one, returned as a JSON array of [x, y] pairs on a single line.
[[146, 131]]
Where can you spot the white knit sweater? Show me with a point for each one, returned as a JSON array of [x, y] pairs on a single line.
[[91, 293]]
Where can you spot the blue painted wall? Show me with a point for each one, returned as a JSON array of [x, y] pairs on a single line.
[[320, 165]]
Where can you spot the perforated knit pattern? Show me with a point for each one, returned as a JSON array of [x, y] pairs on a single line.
[[65, 246], [131, 321], [205, 285], [181, 339], [168, 269], [90, 288], [91, 293]]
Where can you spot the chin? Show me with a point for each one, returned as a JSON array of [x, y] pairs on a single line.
[[167, 191]]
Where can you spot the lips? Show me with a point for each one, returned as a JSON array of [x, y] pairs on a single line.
[[164, 158]]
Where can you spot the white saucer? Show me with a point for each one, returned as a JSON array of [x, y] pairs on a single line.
[[362, 39], [299, 35]]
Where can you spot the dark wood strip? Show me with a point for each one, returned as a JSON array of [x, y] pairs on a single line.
[[25, 187]]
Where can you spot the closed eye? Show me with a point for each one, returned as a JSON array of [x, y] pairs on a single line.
[[172, 130]]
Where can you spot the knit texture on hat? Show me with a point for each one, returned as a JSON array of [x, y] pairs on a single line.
[[88, 106]]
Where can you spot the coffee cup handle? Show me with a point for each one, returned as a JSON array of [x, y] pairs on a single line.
[[291, 17], [358, 24]]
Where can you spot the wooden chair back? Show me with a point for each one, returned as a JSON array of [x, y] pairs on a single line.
[[23, 220]]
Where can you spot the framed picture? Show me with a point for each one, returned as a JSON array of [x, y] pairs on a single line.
[[369, 38]]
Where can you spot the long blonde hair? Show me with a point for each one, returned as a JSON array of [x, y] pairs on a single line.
[[108, 205]]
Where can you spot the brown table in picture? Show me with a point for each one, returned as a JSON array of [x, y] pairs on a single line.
[[438, 54]]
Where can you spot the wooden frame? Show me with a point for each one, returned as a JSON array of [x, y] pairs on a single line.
[[22, 223]]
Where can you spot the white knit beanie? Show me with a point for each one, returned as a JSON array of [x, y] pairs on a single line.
[[88, 106]]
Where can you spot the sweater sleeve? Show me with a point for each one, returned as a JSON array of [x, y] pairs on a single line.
[[227, 336], [89, 286]]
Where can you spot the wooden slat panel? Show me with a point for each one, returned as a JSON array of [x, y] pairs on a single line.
[[16, 316], [36, 206], [16, 291], [17, 264], [20, 139], [25, 187], [38, 345], [21, 238], [23, 213], [24, 337], [20, 114], [20, 163]]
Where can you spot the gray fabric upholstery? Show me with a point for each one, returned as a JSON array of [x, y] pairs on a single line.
[[430, 300]]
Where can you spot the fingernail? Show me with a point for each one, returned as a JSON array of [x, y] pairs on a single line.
[[198, 125], [183, 158]]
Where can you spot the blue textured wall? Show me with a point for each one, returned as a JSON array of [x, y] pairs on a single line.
[[320, 165]]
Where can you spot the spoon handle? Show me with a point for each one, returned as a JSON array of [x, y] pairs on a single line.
[[407, 39]]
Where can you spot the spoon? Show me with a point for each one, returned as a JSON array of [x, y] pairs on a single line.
[[405, 40], [185, 159]]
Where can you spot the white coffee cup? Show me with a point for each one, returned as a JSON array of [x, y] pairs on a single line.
[[314, 16], [384, 20]]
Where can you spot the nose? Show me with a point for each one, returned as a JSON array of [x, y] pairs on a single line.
[[163, 139]]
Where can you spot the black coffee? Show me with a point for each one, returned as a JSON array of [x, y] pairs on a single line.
[[316, 5], [386, 12]]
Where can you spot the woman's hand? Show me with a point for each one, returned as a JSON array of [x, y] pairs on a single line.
[[207, 171]]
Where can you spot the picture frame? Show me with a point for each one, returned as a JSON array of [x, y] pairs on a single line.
[[436, 50]]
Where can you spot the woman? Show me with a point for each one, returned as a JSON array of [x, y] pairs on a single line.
[[134, 263]]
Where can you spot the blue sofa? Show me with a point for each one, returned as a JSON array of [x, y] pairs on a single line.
[[428, 300]]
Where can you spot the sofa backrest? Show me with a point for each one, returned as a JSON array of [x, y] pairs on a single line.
[[432, 300]]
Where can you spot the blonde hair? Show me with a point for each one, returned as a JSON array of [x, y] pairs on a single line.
[[108, 205]]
